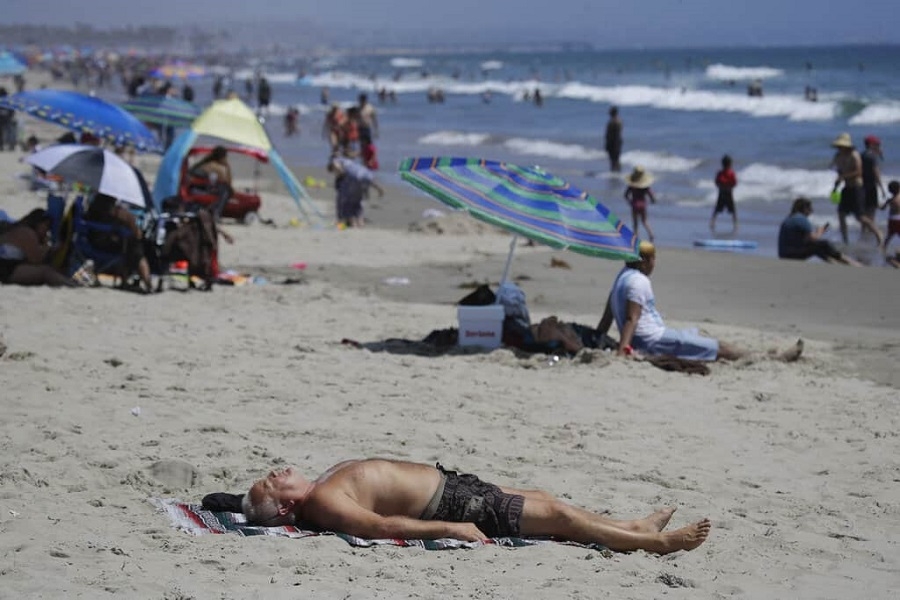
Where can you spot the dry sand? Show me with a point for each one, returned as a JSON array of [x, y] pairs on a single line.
[[796, 465]]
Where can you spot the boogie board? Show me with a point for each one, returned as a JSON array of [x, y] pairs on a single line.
[[726, 244]]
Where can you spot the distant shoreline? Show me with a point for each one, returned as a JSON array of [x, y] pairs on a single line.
[[323, 42]]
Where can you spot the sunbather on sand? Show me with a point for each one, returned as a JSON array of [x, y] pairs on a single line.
[[379, 498], [24, 251]]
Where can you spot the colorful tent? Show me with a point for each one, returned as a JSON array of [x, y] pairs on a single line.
[[233, 121]]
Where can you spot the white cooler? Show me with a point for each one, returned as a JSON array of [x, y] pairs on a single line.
[[480, 325]]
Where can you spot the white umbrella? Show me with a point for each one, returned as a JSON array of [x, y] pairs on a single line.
[[96, 168]]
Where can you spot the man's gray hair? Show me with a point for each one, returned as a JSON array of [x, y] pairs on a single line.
[[264, 511]]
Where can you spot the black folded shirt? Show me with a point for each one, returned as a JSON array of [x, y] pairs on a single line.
[[223, 502]]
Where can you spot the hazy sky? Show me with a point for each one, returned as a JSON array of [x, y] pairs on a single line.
[[604, 23]]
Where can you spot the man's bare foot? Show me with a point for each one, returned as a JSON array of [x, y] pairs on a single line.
[[655, 522], [793, 353], [686, 538]]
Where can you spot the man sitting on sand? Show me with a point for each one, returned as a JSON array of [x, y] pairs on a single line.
[[633, 306], [379, 498]]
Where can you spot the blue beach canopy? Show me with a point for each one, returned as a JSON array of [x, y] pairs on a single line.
[[85, 114]]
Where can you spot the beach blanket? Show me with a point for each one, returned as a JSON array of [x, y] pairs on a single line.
[[191, 518]]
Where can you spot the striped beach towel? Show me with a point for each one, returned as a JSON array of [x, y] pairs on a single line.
[[191, 518]]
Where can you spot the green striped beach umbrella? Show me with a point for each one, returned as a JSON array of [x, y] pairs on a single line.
[[525, 201], [163, 110]]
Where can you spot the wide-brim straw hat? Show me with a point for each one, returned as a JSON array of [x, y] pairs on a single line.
[[640, 178], [842, 141]]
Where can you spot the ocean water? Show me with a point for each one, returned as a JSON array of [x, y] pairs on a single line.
[[682, 110]]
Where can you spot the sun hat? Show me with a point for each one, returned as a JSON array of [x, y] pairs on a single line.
[[639, 178], [872, 140], [646, 250], [842, 141]]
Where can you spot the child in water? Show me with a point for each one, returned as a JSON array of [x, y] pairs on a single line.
[[893, 202], [726, 181]]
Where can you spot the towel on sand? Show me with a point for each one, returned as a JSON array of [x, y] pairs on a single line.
[[192, 519]]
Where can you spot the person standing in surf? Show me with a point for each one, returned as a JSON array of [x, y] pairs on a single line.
[[613, 139], [848, 164], [871, 175]]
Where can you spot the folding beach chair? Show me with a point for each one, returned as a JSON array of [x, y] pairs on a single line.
[[83, 249], [56, 208]]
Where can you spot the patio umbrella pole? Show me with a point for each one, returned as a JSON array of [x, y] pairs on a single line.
[[512, 249]]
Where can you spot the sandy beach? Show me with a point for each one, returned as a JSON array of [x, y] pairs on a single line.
[[796, 464]]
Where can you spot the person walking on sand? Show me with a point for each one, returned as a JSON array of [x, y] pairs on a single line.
[[637, 194], [352, 182], [726, 181], [378, 498], [893, 202], [848, 164], [613, 139]]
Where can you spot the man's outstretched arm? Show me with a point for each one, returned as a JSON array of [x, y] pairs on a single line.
[[346, 516]]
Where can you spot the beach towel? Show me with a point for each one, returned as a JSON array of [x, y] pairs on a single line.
[[192, 519]]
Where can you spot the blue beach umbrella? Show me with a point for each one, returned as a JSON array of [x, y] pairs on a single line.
[[10, 65], [525, 201], [85, 114], [163, 110]]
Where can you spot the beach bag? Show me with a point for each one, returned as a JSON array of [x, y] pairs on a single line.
[[512, 298]]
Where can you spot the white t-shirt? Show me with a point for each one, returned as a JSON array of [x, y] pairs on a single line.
[[633, 285]]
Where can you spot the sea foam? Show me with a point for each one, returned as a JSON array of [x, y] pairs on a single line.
[[659, 162], [794, 108], [454, 138], [652, 161], [406, 63], [791, 107], [878, 114], [722, 72], [549, 149]]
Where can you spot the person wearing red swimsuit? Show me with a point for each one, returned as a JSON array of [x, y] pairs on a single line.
[[637, 194]]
